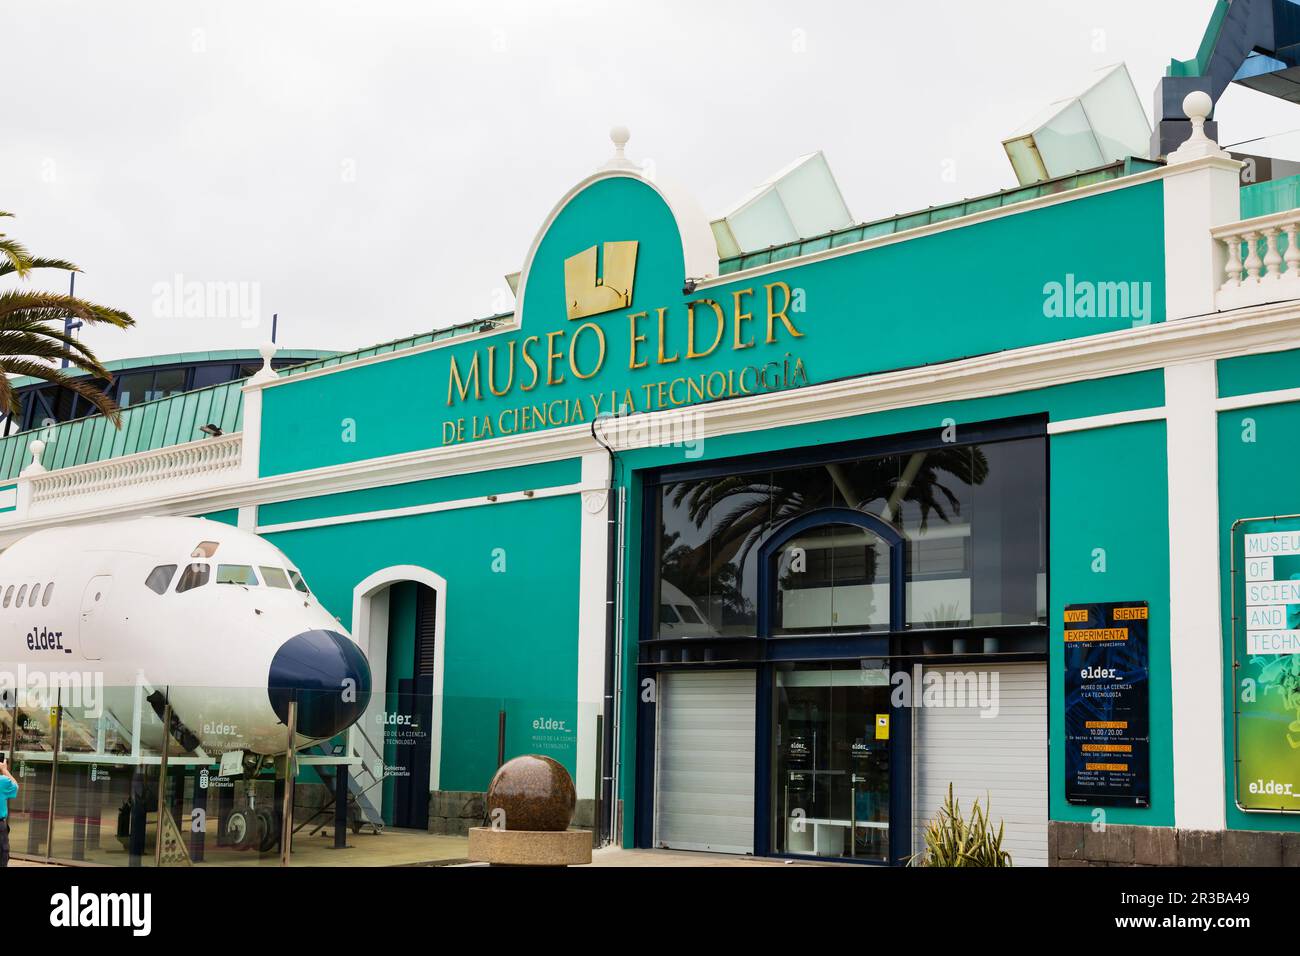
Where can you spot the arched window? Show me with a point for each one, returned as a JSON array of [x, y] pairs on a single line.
[[831, 571]]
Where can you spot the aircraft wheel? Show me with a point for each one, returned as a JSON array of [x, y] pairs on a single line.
[[240, 830], [268, 831]]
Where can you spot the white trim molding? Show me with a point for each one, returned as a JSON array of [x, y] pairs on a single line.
[[1281, 396], [481, 501], [362, 627], [1106, 421]]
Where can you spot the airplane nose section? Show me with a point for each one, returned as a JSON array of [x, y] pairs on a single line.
[[328, 676]]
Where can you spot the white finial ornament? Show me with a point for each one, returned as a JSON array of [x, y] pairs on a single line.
[[619, 135], [266, 373], [1198, 106], [35, 468]]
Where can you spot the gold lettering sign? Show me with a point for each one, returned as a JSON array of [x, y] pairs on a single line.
[[591, 290]]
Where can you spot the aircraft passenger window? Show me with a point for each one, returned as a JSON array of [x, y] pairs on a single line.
[[49, 591], [194, 576], [9, 595], [22, 596], [236, 574], [689, 614], [36, 590], [298, 583], [204, 549], [275, 577], [159, 578]]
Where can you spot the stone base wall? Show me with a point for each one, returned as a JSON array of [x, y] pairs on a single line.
[[1078, 844], [455, 812]]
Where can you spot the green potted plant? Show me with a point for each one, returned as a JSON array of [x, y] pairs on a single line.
[[953, 840]]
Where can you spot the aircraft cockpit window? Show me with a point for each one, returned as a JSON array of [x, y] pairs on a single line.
[[194, 576], [236, 574], [22, 596], [274, 577], [204, 549], [9, 595], [159, 578], [49, 593], [298, 583], [36, 591]]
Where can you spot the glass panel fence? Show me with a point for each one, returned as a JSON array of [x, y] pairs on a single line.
[[198, 776]]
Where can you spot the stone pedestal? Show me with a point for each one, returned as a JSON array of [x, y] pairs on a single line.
[[530, 847]]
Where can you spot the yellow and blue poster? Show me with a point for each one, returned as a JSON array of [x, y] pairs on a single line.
[[1107, 715]]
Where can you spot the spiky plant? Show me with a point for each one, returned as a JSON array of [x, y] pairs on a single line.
[[952, 840], [32, 337]]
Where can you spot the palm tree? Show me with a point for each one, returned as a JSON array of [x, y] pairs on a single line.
[[32, 336], [749, 505]]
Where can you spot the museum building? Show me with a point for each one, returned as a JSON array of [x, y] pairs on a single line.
[[770, 548]]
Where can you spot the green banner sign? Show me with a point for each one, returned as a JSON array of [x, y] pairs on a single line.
[[1266, 662]]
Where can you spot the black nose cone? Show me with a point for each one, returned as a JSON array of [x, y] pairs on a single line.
[[329, 678]]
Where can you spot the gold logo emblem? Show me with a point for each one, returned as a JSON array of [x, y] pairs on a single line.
[[590, 289]]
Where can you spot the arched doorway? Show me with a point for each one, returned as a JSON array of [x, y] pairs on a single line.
[[398, 616]]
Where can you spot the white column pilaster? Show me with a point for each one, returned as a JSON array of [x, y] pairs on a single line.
[[1195, 624], [594, 567]]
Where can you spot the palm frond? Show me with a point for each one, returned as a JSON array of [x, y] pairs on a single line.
[[55, 307], [56, 376], [15, 255], [39, 262]]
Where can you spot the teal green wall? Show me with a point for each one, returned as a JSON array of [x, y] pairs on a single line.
[[475, 484], [859, 315], [230, 516], [1266, 372], [1109, 490], [1259, 459], [1106, 485], [510, 638]]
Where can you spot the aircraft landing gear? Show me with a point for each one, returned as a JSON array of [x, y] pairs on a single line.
[[252, 827]]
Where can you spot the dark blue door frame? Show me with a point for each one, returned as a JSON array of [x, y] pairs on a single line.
[[776, 650], [900, 720]]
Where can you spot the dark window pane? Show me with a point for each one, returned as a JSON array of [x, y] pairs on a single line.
[[159, 578], [686, 523], [833, 578], [931, 507], [194, 576], [1008, 535], [131, 388], [167, 382], [205, 375]]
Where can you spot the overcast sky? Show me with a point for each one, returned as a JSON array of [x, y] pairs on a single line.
[[374, 169]]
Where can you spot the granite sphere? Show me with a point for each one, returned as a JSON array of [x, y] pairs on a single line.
[[535, 792]]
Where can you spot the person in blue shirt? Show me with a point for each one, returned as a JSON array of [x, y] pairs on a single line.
[[8, 790]]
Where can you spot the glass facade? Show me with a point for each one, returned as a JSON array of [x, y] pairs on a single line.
[[972, 518]]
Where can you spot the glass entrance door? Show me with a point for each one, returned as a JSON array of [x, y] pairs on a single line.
[[831, 760]]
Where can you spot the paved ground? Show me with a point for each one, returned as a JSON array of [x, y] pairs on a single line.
[[612, 856], [408, 848]]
